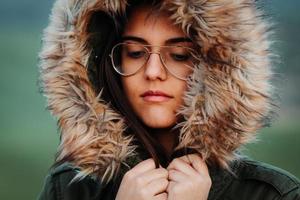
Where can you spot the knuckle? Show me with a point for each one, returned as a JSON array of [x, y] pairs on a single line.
[[200, 180], [128, 175], [150, 162], [164, 195], [209, 181], [139, 180], [176, 161], [171, 172], [164, 172], [165, 182], [204, 180]]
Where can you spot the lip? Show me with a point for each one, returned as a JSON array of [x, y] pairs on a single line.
[[155, 96]]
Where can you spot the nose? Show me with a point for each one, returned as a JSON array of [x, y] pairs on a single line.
[[154, 68]]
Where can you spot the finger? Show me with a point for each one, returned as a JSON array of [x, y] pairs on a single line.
[[158, 186], [197, 163], [170, 186], [180, 165], [154, 174], [143, 166], [161, 196], [177, 176]]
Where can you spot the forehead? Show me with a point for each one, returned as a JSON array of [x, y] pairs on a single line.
[[151, 25]]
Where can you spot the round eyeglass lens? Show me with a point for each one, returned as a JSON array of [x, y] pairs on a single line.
[[128, 58]]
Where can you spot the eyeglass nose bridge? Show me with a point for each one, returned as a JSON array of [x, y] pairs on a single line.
[[158, 52], [165, 68]]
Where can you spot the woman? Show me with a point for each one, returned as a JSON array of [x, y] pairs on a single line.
[[154, 98]]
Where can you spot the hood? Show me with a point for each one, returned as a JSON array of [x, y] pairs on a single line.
[[227, 100]]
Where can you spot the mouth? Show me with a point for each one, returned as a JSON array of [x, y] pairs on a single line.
[[156, 96]]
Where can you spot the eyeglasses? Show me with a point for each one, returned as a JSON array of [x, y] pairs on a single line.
[[128, 58]]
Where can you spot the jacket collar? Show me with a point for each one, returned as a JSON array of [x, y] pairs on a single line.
[[221, 178]]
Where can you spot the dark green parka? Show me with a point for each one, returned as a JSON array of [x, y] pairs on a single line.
[[228, 97], [248, 180]]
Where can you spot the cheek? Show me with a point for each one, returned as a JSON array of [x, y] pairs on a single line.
[[130, 87]]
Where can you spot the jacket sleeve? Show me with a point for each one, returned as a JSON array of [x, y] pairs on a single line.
[[48, 191], [292, 195], [59, 186]]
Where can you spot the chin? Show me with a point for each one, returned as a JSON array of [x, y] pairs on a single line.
[[159, 121]]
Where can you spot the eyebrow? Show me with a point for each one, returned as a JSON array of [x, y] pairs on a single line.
[[169, 41]]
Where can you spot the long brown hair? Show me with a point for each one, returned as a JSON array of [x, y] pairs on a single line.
[[104, 32]]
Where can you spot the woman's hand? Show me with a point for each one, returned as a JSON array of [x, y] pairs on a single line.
[[188, 178], [144, 182]]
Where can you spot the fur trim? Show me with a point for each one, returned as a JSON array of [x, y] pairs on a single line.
[[228, 94]]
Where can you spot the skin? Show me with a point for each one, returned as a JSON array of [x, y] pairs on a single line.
[[186, 177], [153, 76]]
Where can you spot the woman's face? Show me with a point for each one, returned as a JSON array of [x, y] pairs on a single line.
[[154, 94]]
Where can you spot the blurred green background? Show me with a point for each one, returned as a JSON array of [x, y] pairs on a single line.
[[29, 135]]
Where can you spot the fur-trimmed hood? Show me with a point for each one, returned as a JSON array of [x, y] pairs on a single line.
[[228, 96]]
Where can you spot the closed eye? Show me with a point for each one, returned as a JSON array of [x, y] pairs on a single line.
[[180, 57], [136, 54]]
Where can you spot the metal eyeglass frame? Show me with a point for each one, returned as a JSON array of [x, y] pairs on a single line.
[[149, 54]]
